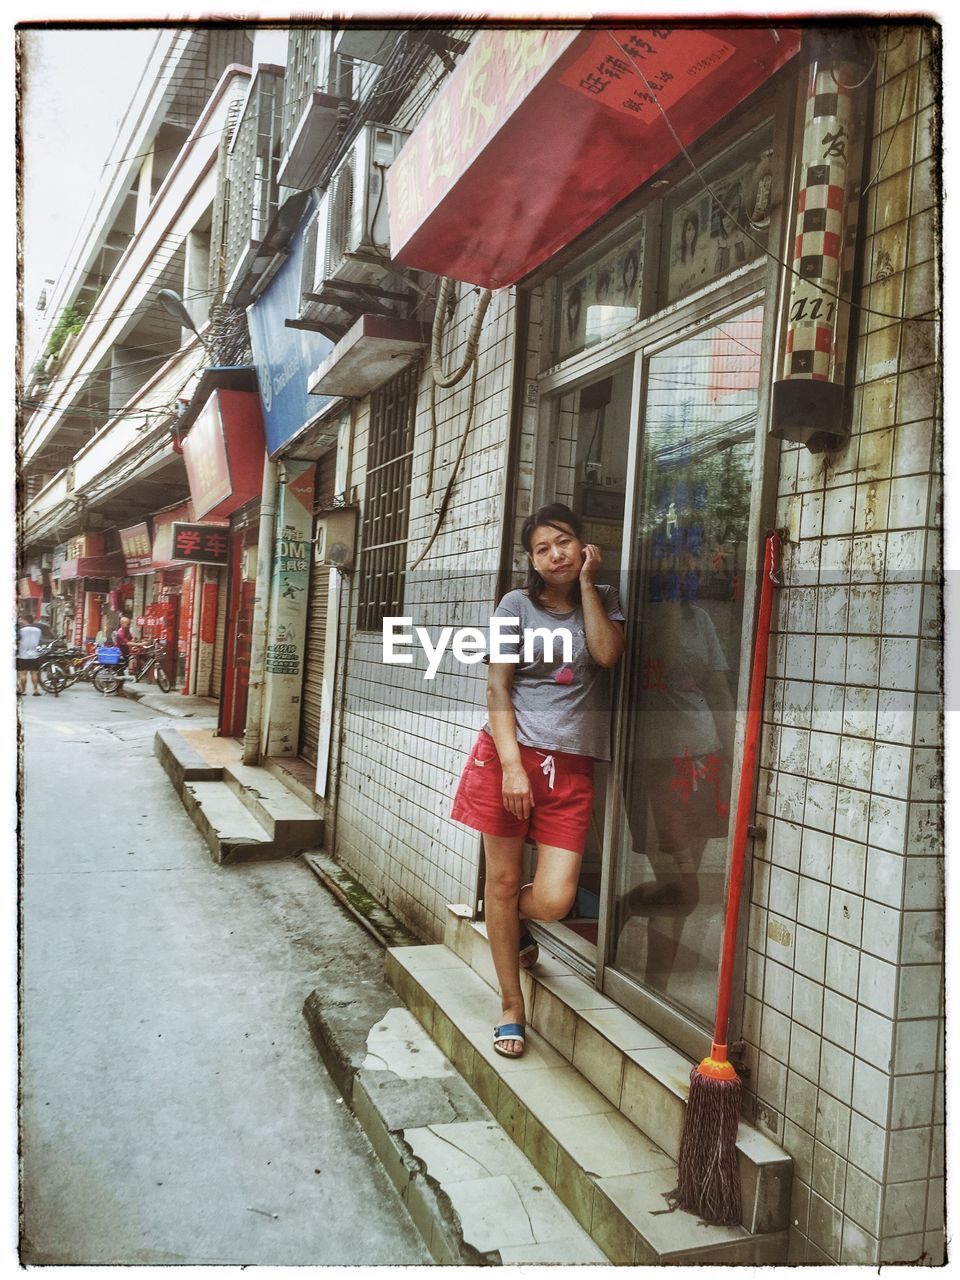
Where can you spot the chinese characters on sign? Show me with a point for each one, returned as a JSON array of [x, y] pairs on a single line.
[[200, 543], [632, 71], [136, 546], [205, 457]]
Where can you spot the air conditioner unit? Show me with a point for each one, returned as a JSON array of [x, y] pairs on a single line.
[[312, 268], [357, 244]]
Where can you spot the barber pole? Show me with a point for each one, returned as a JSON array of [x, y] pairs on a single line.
[[824, 234]]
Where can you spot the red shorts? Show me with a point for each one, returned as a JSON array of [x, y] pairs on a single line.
[[562, 786]]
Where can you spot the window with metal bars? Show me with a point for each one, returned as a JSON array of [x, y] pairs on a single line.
[[387, 506]]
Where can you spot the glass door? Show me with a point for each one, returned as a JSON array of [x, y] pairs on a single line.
[[686, 563]]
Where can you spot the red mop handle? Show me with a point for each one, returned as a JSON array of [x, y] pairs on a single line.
[[745, 797]]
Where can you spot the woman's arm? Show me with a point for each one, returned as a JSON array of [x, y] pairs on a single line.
[[517, 796], [605, 638]]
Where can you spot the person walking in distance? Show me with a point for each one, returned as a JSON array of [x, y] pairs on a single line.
[[29, 636], [530, 773]]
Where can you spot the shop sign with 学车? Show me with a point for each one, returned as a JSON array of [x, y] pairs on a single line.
[[200, 543], [137, 550]]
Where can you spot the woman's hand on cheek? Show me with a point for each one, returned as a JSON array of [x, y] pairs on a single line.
[[592, 560]]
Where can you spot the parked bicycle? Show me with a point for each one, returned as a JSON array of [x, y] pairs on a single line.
[[144, 663], [60, 669]]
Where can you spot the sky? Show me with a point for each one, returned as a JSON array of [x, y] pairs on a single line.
[[63, 149]]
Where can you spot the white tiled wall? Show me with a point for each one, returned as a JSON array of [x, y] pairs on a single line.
[[404, 738], [844, 1013]]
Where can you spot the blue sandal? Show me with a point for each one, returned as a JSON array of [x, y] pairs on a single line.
[[529, 951], [506, 1032]]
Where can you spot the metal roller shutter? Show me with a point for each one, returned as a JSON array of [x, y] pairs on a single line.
[[316, 626], [216, 670]]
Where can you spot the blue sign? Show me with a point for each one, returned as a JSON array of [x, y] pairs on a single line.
[[286, 358]]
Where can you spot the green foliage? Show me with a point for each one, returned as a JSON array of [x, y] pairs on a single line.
[[70, 322]]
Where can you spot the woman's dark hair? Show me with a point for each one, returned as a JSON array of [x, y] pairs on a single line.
[[557, 516]]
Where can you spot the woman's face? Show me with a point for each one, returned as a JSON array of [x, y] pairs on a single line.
[[557, 554]]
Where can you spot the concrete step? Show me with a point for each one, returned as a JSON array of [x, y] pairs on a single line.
[[476, 1199], [291, 825], [606, 1163], [645, 1078], [180, 762], [229, 828]]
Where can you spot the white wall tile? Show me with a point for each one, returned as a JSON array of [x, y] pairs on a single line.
[[808, 1003], [881, 930], [871, 1097], [849, 865], [895, 715], [922, 940], [898, 663], [816, 857], [856, 762], [824, 755], [813, 903], [843, 966], [912, 1100], [921, 991], [852, 812], [878, 985], [810, 953], [891, 770], [923, 884], [916, 1045], [887, 823], [860, 711], [885, 877], [827, 710], [865, 609], [868, 1141], [874, 1038]]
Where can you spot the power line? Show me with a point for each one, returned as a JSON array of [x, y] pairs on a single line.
[[886, 315]]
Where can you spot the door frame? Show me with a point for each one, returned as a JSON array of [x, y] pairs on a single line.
[[756, 283]]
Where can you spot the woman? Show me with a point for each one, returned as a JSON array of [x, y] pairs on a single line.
[[530, 775]]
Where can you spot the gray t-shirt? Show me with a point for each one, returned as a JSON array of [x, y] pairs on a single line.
[[676, 714], [559, 706]]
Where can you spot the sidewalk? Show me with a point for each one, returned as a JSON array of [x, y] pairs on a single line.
[[173, 703], [173, 1107]]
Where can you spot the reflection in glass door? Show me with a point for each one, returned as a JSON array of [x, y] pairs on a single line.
[[688, 560]]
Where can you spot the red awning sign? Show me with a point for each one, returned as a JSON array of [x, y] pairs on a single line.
[[538, 133]]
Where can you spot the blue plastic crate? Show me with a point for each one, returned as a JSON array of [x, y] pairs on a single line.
[[109, 656]]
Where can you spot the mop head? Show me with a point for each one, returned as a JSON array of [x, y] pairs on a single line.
[[708, 1182]]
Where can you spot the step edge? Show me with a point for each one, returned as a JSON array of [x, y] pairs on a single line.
[[770, 1152], [400, 978]]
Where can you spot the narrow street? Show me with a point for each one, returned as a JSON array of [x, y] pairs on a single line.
[[174, 1108]]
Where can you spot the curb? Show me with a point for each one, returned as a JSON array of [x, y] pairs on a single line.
[[340, 1020]]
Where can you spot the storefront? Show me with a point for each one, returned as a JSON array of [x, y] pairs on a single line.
[[741, 338]]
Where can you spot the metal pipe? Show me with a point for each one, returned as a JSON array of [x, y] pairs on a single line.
[[261, 610]]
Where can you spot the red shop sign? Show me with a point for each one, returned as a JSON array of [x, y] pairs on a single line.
[[539, 132], [224, 453]]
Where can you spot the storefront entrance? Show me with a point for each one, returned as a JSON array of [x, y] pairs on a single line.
[[658, 454]]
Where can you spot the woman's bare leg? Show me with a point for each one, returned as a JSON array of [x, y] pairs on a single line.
[[503, 856], [551, 893]]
